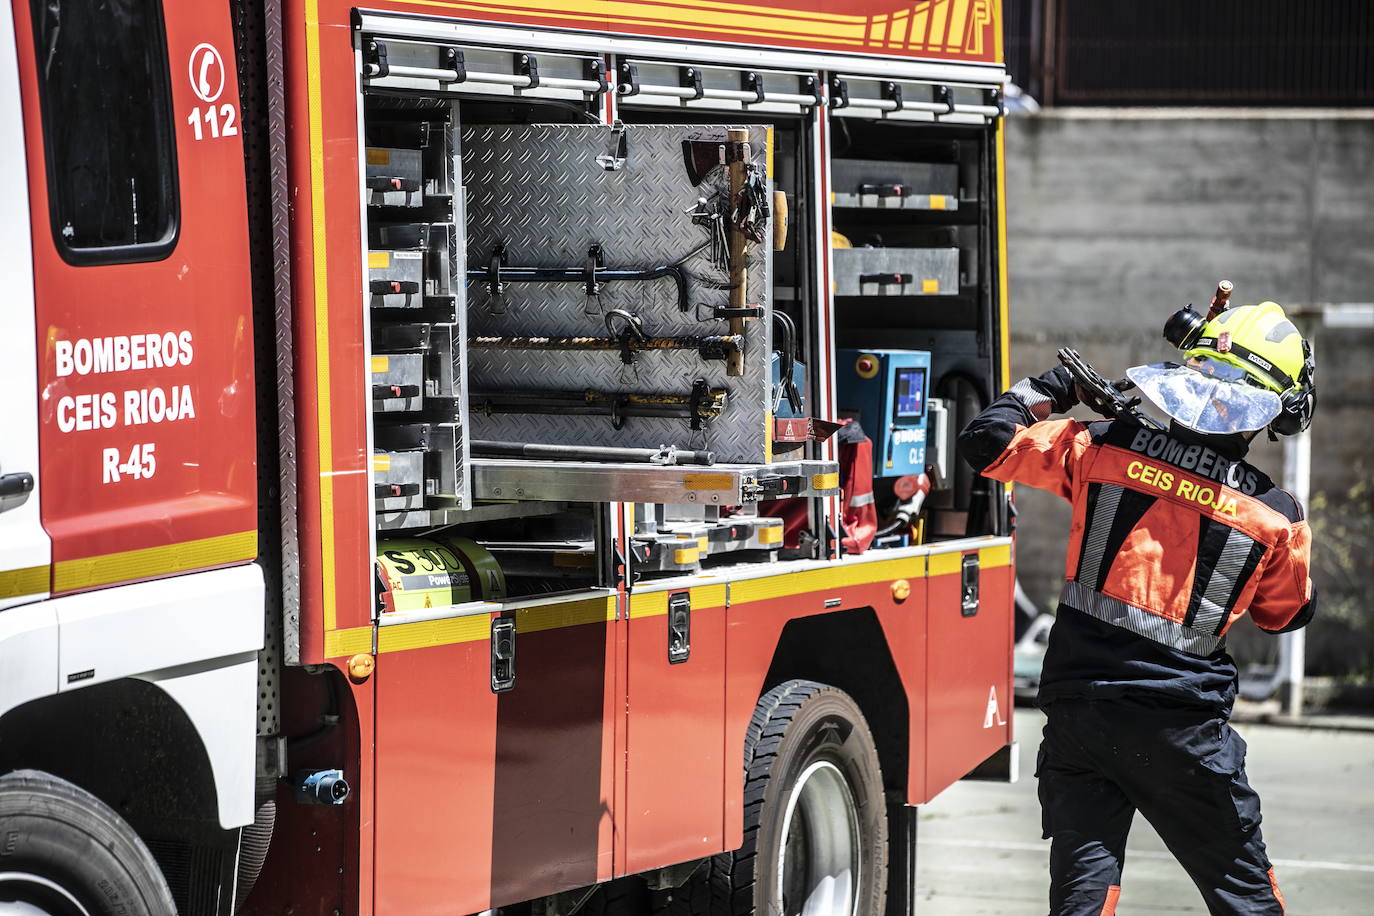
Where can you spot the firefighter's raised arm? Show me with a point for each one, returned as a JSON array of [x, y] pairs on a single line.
[[1014, 440], [1286, 599]]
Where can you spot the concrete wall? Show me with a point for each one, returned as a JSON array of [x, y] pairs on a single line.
[[1116, 219]]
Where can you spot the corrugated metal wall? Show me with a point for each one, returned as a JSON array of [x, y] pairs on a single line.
[[1193, 52]]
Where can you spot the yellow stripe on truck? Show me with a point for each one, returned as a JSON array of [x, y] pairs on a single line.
[[343, 643], [15, 583], [324, 416], [943, 564], [154, 561]]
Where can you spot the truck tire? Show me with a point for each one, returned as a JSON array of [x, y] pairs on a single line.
[[627, 896], [815, 816], [66, 853]]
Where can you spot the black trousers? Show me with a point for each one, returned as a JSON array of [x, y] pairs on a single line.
[[1184, 770]]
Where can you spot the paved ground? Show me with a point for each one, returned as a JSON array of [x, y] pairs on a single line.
[[980, 850]]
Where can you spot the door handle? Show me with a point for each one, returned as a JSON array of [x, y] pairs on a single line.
[[968, 604], [679, 627], [15, 489]]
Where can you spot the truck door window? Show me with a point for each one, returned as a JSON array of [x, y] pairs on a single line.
[[107, 128]]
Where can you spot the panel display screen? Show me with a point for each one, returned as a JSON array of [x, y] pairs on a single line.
[[910, 394]]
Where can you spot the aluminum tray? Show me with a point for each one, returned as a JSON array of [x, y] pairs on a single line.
[[718, 485]]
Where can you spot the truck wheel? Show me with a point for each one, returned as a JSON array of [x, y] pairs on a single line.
[[815, 818], [64, 852], [627, 896]]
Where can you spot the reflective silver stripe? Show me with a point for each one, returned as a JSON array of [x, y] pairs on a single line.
[[1099, 527], [1031, 398], [1129, 617], [862, 499], [1212, 605]]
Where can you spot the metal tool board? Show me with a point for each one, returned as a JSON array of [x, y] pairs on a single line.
[[539, 191]]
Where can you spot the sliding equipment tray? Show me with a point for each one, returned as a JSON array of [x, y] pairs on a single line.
[[716, 485]]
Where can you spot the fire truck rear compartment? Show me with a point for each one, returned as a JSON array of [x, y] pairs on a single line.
[[495, 222], [516, 198]]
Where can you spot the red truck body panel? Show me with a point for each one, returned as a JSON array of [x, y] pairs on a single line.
[[146, 362]]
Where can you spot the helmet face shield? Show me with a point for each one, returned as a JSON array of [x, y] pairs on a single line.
[[1206, 398]]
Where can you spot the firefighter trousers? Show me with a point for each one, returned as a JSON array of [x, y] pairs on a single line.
[[1103, 760]]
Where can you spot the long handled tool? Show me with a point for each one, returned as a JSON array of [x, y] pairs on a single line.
[[745, 218], [666, 455], [591, 275], [631, 339], [699, 406], [737, 159], [710, 347]]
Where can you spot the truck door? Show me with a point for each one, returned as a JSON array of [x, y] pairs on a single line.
[[25, 553], [143, 332]]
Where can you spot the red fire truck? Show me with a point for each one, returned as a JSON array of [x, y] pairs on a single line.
[[419, 482]]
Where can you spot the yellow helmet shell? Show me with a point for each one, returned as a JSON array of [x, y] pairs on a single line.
[[1258, 339]]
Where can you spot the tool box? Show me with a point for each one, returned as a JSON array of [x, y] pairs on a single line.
[[880, 184], [896, 271], [394, 177]]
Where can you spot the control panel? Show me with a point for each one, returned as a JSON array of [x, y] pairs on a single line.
[[887, 391]]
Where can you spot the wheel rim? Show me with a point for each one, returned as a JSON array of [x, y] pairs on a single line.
[[818, 851], [22, 894]]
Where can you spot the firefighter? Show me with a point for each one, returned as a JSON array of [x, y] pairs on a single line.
[[1174, 537]]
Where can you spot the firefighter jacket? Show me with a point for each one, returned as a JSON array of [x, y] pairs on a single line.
[[860, 517], [1174, 538]]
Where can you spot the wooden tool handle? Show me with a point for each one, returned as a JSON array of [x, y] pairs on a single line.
[[779, 220]]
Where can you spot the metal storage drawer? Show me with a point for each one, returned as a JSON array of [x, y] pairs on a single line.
[[399, 479], [394, 177], [886, 185], [896, 271], [422, 460], [396, 279], [398, 382]]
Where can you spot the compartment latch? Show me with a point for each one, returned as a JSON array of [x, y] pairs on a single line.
[[968, 604], [752, 81], [944, 96], [839, 92], [502, 654], [679, 627], [451, 58], [690, 78], [527, 65], [617, 147], [892, 91], [378, 67]]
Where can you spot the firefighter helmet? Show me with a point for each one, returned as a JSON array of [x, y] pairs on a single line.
[[1245, 369]]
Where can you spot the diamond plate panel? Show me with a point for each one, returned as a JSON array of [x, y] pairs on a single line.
[[538, 191]]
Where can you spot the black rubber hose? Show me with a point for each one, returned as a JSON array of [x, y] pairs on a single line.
[[256, 839]]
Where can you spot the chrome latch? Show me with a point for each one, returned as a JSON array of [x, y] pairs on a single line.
[[679, 627], [502, 654], [969, 591], [617, 149]]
